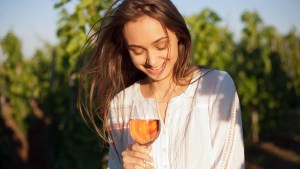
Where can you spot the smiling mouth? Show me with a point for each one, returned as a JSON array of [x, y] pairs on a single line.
[[157, 70]]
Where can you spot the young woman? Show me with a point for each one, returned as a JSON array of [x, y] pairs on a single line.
[[143, 51]]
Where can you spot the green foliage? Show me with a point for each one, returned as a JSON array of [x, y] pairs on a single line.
[[263, 80], [49, 78], [212, 45], [289, 50], [17, 82], [11, 46], [74, 27], [263, 64], [74, 145]]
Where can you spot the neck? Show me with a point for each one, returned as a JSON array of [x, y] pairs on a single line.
[[162, 90]]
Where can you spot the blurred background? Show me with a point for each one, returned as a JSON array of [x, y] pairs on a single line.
[[256, 41]]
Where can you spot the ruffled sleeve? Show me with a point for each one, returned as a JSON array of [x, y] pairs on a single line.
[[226, 126]]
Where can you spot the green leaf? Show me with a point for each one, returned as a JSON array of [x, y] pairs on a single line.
[[81, 17], [85, 3], [72, 46]]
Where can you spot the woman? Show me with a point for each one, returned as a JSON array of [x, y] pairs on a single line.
[[143, 52]]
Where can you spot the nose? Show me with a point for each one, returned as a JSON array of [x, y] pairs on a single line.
[[152, 59]]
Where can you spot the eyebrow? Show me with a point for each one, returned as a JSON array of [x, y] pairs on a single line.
[[156, 41]]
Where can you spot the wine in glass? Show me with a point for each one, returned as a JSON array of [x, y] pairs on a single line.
[[144, 125]]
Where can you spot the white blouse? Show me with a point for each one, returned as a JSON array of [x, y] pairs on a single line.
[[202, 128]]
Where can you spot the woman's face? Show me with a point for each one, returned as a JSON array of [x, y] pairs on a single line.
[[153, 49]]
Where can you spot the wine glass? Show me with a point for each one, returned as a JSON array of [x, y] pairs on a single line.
[[144, 124]]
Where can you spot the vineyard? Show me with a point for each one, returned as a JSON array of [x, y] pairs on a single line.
[[40, 126]]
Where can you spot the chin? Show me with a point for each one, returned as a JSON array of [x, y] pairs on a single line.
[[159, 78]]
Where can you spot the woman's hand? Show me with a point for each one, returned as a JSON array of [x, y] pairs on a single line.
[[137, 157]]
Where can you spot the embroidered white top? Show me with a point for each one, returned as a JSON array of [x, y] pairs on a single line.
[[202, 128]]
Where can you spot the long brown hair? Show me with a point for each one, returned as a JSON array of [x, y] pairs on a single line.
[[109, 69]]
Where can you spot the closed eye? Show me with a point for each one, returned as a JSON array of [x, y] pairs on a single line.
[[162, 45], [137, 51], [162, 48]]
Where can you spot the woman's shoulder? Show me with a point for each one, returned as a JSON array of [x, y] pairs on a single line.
[[211, 80], [214, 75]]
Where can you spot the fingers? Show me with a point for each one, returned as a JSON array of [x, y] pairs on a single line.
[[130, 160], [136, 147], [138, 151], [136, 156], [134, 166], [149, 165]]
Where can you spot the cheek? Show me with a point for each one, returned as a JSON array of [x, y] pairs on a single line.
[[174, 51], [137, 60]]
